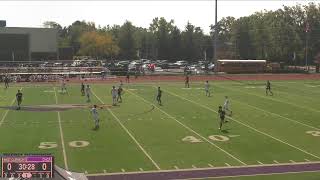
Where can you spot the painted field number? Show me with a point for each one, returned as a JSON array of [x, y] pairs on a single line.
[[220, 138], [50, 145], [191, 139], [78, 144], [314, 133]]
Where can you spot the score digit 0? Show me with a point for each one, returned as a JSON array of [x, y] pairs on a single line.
[[9, 166], [44, 166]]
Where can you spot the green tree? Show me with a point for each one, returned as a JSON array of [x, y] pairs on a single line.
[[162, 29], [97, 45], [76, 30], [127, 42]]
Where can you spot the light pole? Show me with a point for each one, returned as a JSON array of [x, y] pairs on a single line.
[[307, 32], [215, 60], [307, 51]]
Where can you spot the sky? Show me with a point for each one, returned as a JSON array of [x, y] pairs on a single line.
[[140, 13]]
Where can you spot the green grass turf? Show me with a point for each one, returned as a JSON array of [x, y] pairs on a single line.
[[139, 134], [290, 176]]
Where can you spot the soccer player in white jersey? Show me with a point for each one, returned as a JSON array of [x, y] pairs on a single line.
[[226, 105], [207, 88], [88, 93], [95, 116], [114, 93]]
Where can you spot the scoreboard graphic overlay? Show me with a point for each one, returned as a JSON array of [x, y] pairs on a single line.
[[27, 166]]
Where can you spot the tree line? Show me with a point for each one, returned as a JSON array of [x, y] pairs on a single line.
[[277, 36]]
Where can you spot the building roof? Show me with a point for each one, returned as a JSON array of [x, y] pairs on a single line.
[[36, 28]]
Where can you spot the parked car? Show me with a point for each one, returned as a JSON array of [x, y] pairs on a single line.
[[158, 69], [173, 66], [181, 63], [211, 66]]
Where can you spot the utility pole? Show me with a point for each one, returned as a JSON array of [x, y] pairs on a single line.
[[215, 60], [307, 33], [12, 55]]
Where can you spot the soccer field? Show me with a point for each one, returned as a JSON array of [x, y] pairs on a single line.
[[141, 136]]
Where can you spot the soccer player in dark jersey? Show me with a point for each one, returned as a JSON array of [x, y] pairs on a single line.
[[268, 88], [222, 114], [119, 98], [128, 78], [19, 99], [159, 96], [6, 82], [186, 85], [82, 89]]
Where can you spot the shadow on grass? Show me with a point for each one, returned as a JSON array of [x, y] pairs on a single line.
[[225, 131]]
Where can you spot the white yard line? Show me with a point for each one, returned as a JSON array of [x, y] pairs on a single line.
[[305, 89], [248, 126], [188, 128], [130, 134], [6, 113], [292, 94], [61, 134], [272, 99], [236, 177], [259, 162], [298, 122], [207, 168]]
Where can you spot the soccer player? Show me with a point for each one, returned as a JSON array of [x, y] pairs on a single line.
[[95, 116], [268, 88], [207, 88], [6, 82], [114, 93], [222, 114], [63, 87], [88, 93], [82, 89], [159, 96], [119, 98], [186, 84], [19, 99], [226, 105], [128, 78]]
